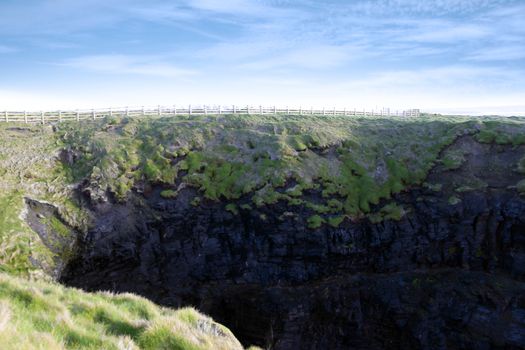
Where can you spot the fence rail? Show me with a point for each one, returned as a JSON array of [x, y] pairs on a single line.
[[93, 114]]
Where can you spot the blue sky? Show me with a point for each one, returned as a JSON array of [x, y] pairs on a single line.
[[441, 55]]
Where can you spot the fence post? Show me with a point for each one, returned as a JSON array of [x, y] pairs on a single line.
[[300, 110], [234, 109], [93, 114], [6, 117], [25, 117], [59, 116], [205, 110], [174, 109], [324, 111], [42, 117], [158, 111], [344, 111], [287, 110], [275, 110], [334, 110], [189, 109], [110, 112], [78, 115], [220, 109], [312, 110], [260, 110]]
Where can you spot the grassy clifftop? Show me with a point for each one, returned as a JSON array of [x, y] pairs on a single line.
[[336, 167], [333, 168]]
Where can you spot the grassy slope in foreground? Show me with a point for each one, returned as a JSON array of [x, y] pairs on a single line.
[[41, 315]]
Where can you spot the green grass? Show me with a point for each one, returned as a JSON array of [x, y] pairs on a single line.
[[315, 221], [333, 166], [167, 194], [40, 315], [453, 160], [356, 161], [19, 245]]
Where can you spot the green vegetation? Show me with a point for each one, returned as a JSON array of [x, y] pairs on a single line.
[[167, 194], [352, 163], [228, 157], [453, 160], [42, 315], [390, 211], [335, 221], [502, 133], [19, 245], [315, 221], [232, 208], [454, 200], [328, 168]]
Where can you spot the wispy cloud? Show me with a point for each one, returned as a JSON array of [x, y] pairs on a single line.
[[410, 7], [127, 64], [395, 50], [7, 49], [502, 53]]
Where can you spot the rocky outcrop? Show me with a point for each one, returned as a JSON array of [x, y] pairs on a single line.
[[449, 274]]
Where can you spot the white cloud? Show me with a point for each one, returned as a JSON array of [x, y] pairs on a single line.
[[126, 64], [311, 57], [436, 7], [448, 33]]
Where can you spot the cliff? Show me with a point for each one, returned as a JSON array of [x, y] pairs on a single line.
[[298, 232]]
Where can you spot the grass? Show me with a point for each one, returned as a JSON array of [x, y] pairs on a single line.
[[30, 167], [494, 131], [355, 161], [19, 245], [453, 160], [315, 221], [168, 194], [330, 166], [40, 315]]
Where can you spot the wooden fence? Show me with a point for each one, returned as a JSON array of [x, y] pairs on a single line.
[[93, 114]]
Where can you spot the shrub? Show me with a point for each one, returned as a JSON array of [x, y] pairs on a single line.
[[335, 221], [315, 222], [168, 194], [232, 208], [486, 136]]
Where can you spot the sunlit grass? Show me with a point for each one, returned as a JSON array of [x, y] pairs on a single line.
[[39, 315]]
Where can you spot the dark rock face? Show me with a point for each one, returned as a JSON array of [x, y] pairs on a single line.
[[446, 276]]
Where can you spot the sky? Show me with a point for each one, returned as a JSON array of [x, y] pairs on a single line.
[[449, 56]]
